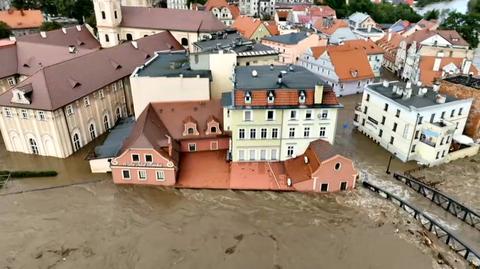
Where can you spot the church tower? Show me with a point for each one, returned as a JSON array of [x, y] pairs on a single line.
[[108, 14]]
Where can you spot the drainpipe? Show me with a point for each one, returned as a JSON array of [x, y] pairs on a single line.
[[68, 130]]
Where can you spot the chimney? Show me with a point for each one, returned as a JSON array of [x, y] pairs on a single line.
[[279, 80], [135, 44], [466, 67], [318, 94], [64, 30], [440, 99], [79, 28], [43, 34]]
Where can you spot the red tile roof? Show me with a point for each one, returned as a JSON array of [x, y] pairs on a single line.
[[347, 69], [390, 46], [428, 76], [329, 29], [322, 11], [22, 19], [234, 10], [215, 3], [246, 25], [272, 27], [282, 14], [367, 45], [329, 98]]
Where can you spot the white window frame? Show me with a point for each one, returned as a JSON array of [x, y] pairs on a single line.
[[266, 115], [240, 132], [306, 132], [241, 155], [11, 81], [24, 114], [145, 157], [140, 172], [273, 154], [324, 114], [129, 174], [295, 112], [290, 151], [194, 145], [69, 110], [86, 101], [274, 131], [328, 187], [101, 94], [245, 112], [135, 154], [114, 87], [160, 175], [8, 112], [291, 132], [307, 112], [254, 132], [250, 151], [324, 130], [41, 115]]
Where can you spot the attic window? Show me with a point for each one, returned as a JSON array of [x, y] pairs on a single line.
[[248, 98], [80, 42], [115, 64], [270, 97], [190, 127], [301, 97], [354, 73], [73, 83]]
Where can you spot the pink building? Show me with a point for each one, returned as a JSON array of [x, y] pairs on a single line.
[[321, 169], [291, 46], [151, 154]]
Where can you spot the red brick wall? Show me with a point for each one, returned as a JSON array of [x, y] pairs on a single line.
[[472, 128], [282, 97]]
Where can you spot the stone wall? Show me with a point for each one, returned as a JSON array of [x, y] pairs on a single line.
[[472, 128]]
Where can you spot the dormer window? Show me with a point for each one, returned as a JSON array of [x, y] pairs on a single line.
[[190, 131], [270, 97], [248, 98], [22, 95], [302, 97], [190, 127], [213, 126]]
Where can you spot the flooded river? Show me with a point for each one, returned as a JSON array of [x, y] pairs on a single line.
[[100, 225]]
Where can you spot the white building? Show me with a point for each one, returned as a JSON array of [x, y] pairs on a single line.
[[364, 26], [177, 4], [257, 8], [413, 123]]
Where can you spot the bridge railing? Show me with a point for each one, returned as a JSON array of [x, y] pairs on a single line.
[[433, 226], [444, 201]]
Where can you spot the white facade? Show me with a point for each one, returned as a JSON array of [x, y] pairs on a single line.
[[257, 8], [177, 4], [223, 14], [423, 134]]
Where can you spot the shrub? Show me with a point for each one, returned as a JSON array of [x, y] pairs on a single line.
[[23, 174]]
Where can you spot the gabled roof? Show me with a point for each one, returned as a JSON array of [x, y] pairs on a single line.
[[358, 17], [428, 24], [170, 19], [367, 45], [341, 35], [453, 37], [322, 11], [318, 51], [348, 69], [428, 76], [328, 26], [247, 26], [272, 27], [291, 38], [22, 19], [51, 85]]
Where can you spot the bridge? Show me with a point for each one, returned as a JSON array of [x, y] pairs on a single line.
[[446, 236], [451, 205]]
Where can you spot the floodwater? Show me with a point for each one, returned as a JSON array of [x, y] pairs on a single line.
[[100, 225]]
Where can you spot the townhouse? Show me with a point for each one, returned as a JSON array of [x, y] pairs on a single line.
[[252, 28], [257, 8], [22, 22], [364, 26], [412, 122], [62, 107], [224, 11], [274, 112], [291, 46]]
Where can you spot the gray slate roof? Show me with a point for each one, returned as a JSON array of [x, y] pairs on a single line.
[[415, 100], [170, 64], [267, 78], [292, 38], [114, 141]]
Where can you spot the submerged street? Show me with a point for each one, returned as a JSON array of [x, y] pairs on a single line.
[[100, 225]]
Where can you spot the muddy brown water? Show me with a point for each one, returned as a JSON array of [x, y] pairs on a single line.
[[100, 225]]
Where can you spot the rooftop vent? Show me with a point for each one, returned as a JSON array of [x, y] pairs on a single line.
[[422, 91], [73, 83], [271, 66], [72, 49], [115, 64], [290, 68], [254, 73], [385, 83], [79, 28], [280, 77], [305, 159], [440, 99], [64, 30], [43, 34], [436, 87]]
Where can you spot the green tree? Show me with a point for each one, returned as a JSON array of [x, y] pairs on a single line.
[[4, 30], [474, 6], [467, 25], [432, 15], [50, 25]]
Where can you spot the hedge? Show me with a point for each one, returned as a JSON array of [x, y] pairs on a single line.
[[22, 174]]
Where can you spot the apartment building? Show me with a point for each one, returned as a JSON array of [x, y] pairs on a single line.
[[364, 26], [412, 122], [224, 11], [274, 112], [63, 107], [291, 46], [257, 8]]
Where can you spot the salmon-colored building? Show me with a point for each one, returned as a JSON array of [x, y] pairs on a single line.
[[321, 169], [150, 155]]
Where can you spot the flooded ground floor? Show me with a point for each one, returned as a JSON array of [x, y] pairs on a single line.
[[100, 225]]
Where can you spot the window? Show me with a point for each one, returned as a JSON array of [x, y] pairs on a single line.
[[380, 133], [41, 115], [441, 141], [291, 132], [308, 115], [432, 118], [148, 158], [337, 166], [368, 96], [142, 175], [448, 139], [416, 134], [126, 174], [263, 133], [107, 39], [69, 110], [8, 112], [270, 115], [247, 115], [263, 154], [24, 114], [135, 158], [324, 187], [253, 133], [248, 98], [453, 113], [115, 14], [86, 101], [343, 186], [394, 127], [293, 114], [323, 131], [443, 153], [306, 132], [325, 114], [192, 147], [241, 155], [241, 133], [273, 154], [460, 111], [420, 119], [290, 151], [101, 94], [160, 175], [114, 87], [106, 122], [190, 130], [252, 155], [184, 41], [91, 129], [274, 133], [385, 108], [443, 115], [270, 98], [33, 146], [118, 113], [76, 142], [129, 37], [103, 15], [391, 140], [11, 81], [413, 148], [398, 113], [365, 109], [437, 156]]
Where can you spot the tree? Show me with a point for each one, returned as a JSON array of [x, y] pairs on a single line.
[[384, 12], [474, 6], [467, 25], [432, 15], [50, 25], [5, 30]]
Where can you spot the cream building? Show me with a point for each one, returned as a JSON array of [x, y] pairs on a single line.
[[274, 112], [116, 23], [63, 107]]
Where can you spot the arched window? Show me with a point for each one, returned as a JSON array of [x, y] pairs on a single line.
[[33, 145], [118, 113], [213, 129], [184, 42], [106, 122], [190, 130], [103, 15], [91, 129], [76, 142], [129, 37]]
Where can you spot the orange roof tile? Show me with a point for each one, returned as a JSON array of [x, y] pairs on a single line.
[[367, 45], [234, 10], [329, 98], [348, 69], [321, 26], [318, 51], [210, 4], [246, 25], [22, 19], [272, 27], [282, 14], [428, 76]]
